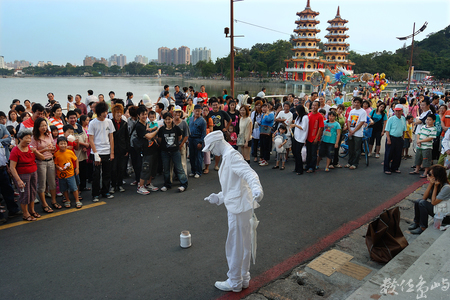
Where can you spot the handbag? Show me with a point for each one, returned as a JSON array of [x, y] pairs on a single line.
[[240, 140], [264, 129], [384, 238]]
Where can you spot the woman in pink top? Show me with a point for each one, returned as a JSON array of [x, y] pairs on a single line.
[[414, 108], [42, 140]]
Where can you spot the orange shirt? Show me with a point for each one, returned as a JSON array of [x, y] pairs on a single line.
[[446, 120], [61, 159]]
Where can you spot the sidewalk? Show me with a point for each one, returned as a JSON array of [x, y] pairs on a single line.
[[345, 271]]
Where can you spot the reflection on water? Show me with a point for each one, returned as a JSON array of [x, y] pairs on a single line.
[[36, 89]]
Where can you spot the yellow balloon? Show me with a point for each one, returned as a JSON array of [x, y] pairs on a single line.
[[381, 87], [382, 76]]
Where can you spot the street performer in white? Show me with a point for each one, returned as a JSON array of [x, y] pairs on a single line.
[[241, 190]]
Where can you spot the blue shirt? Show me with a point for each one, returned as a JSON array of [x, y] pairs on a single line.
[[338, 100], [396, 126], [268, 120], [377, 117], [330, 132], [197, 128]]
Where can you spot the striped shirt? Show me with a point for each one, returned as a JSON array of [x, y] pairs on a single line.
[[59, 124], [427, 132]]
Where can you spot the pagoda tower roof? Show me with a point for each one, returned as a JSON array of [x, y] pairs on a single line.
[[308, 10], [338, 18]]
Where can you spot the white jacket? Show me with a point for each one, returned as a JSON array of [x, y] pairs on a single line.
[[237, 180]]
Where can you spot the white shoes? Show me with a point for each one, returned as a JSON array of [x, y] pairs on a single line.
[[181, 189], [196, 176], [225, 286], [143, 191]]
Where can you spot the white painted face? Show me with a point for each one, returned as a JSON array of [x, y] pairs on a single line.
[[214, 149]]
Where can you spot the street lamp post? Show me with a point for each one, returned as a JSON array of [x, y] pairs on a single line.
[[232, 36], [412, 47]]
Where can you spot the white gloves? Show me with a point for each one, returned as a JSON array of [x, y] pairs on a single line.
[[257, 195], [97, 157], [213, 199]]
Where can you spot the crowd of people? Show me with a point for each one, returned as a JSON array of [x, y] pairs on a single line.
[[101, 140]]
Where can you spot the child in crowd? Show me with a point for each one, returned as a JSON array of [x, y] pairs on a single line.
[[66, 168], [408, 136], [330, 139], [152, 124], [233, 137], [189, 108], [12, 132], [425, 146], [55, 133], [280, 139], [70, 103], [323, 112]]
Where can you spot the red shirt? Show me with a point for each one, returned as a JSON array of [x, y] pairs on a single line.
[[26, 161], [315, 123], [83, 108], [28, 123], [446, 121], [204, 96]]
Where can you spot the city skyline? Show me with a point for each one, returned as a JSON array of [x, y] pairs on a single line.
[[37, 39]]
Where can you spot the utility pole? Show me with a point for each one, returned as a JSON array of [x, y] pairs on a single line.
[[424, 26], [232, 49], [410, 61]]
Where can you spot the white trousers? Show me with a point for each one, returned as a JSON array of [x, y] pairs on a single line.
[[238, 249]]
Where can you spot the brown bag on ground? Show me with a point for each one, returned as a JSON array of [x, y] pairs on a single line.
[[384, 239]]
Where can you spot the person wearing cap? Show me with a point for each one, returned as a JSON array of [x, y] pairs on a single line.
[[197, 126], [395, 128], [241, 192]]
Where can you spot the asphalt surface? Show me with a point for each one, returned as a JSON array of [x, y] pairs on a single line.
[[129, 247]]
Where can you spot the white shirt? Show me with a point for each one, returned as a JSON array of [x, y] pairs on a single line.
[[299, 134], [355, 93], [355, 117], [100, 130], [165, 102], [287, 117], [261, 94]]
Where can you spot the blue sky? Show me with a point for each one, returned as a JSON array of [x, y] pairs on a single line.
[[66, 31]]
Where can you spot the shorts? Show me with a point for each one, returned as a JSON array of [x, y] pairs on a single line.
[[423, 157], [406, 144], [149, 166], [281, 157], [67, 184], [326, 150]]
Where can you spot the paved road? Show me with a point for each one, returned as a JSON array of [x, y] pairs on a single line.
[[129, 247]]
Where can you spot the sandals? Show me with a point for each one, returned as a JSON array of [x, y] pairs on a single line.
[[327, 169], [275, 167], [67, 204], [35, 214], [282, 168], [205, 171], [47, 209], [56, 205], [352, 167], [414, 173], [29, 218], [79, 205], [347, 166], [387, 172], [423, 176], [331, 167]]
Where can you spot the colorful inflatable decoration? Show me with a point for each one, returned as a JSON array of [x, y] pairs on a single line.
[[340, 75], [378, 83]]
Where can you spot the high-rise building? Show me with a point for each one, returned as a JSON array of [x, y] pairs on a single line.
[[199, 54], [141, 59], [91, 60], [184, 55], [19, 64], [120, 60], [2, 62], [174, 56], [164, 55]]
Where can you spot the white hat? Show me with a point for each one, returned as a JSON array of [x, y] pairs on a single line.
[[398, 107], [177, 108], [334, 107], [211, 138], [148, 104]]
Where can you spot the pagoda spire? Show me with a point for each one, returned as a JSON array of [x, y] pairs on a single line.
[[338, 15], [308, 5]]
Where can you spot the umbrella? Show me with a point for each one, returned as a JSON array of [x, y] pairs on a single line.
[[253, 223]]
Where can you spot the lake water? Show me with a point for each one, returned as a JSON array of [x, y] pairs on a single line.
[[35, 89]]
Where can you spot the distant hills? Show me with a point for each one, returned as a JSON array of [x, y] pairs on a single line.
[[431, 54]]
